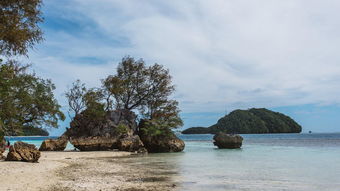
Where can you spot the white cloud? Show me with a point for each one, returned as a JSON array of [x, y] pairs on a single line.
[[222, 54]]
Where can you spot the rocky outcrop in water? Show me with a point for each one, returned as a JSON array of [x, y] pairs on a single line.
[[163, 144], [54, 144], [166, 142], [25, 152], [87, 134], [227, 141]]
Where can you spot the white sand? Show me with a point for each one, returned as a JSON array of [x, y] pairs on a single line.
[[45, 175], [81, 171]]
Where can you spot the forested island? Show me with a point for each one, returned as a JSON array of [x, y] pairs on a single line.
[[251, 121]]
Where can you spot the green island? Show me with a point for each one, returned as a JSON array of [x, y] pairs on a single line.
[[250, 121]]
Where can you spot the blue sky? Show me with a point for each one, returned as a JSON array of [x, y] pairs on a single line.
[[222, 54]]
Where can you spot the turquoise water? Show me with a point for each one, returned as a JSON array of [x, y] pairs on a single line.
[[35, 140], [305, 162], [265, 162]]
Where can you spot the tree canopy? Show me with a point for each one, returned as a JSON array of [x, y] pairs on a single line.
[[19, 28], [26, 101], [135, 87]]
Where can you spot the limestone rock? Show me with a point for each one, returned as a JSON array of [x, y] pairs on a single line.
[[167, 142], [90, 135], [21, 151], [227, 141], [96, 143], [54, 144], [163, 144], [131, 144]]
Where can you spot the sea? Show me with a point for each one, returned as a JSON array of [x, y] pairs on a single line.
[[266, 162]]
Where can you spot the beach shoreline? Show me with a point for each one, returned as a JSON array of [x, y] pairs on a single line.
[[46, 174], [81, 171]]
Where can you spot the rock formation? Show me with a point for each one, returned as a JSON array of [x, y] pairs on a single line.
[[227, 141], [94, 143], [168, 142], [21, 151], [131, 144], [88, 134], [54, 144]]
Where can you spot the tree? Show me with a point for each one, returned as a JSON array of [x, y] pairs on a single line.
[[88, 102], [147, 89], [19, 28], [94, 106], [76, 97], [128, 87], [134, 87], [26, 101]]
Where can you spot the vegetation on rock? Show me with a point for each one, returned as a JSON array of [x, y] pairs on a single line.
[[135, 93], [158, 138], [135, 87], [251, 121]]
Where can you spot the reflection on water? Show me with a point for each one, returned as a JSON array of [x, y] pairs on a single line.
[[275, 162]]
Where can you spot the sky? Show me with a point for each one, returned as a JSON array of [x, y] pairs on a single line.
[[222, 54]]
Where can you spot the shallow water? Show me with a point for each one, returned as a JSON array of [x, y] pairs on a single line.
[[299, 162], [266, 162]]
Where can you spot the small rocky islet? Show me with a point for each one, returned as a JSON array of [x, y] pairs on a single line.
[[228, 141], [119, 130], [251, 121]]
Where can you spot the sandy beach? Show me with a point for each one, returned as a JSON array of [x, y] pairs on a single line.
[[67, 171]]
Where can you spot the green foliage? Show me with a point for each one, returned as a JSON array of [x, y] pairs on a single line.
[[134, 87], [257, 121], [2, 133], [33, 131], [26, 100], [122, 129], [94, 108], [147, 89], [167, 114], [277, 122], [251, 121], [241, 121], [154, 128], [196, 130], [19, 28], [128, 86]]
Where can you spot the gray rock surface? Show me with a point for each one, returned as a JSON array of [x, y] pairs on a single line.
[[92, 135], [227, 141]]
